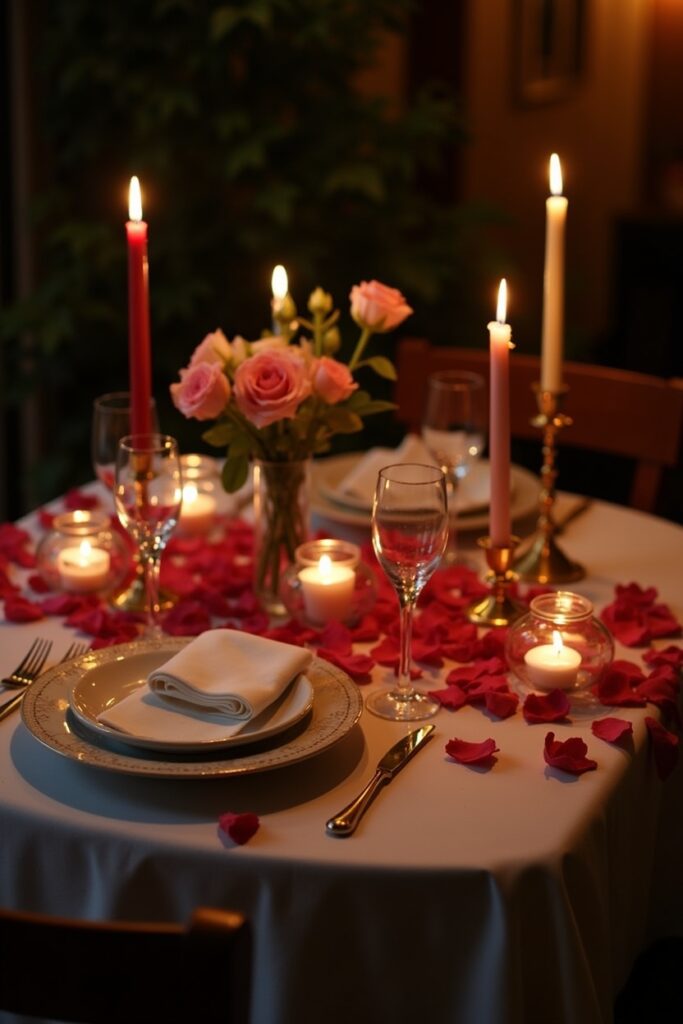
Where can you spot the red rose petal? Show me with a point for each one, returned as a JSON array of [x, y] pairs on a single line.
[[358, 666], [612, 730], [37, 584], [336, 637], [452, 697], [465, 752], [187, 618], [239, 827], [664, 747], [550, 707], [501, 704], [76, 499], [18, 609], [569, 756], [671, 655]]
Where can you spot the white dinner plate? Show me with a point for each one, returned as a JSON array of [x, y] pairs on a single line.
[[473, 491], [107, 683], [327, 474], [337, 706]]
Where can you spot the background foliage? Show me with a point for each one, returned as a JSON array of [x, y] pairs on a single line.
[[253, 148]]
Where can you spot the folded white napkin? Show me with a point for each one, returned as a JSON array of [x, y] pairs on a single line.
[[360, 481], [209, 689]]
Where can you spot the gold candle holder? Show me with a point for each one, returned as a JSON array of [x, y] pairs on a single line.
[[497, 608], [544, 561]]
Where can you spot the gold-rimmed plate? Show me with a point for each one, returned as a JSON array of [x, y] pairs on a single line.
[[47, 714]]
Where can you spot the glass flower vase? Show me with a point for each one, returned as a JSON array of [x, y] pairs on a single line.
[[281, 517]]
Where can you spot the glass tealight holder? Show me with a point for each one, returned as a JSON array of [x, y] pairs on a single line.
[[559, 644], [81, 554], [328, 583], [201, 490]]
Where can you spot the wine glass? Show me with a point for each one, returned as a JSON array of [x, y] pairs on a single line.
[[409, 535], [110, 422], [148, 494], [454, 431]]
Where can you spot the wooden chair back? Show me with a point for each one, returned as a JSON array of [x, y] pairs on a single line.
[[616, 412], [105, 973]]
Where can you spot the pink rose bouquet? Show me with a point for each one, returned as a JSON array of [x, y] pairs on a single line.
[[280, 399]]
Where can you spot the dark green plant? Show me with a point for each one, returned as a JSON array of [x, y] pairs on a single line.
[[253, 148]]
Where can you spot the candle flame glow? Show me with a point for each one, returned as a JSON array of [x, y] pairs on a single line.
[[555, 175], [558, 646], [325, 567], [501, 308], [84, 552], [279, 282], [189, 493], [134, 200]]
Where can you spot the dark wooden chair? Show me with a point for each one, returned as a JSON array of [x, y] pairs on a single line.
[[109, 972], [615, 412]]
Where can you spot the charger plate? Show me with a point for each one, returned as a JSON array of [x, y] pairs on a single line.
[[46, 712]]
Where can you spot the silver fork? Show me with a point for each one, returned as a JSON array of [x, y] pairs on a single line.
[[30, 665], [74, 651]]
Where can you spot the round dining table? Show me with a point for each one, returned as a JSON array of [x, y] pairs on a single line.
[[508, 893]]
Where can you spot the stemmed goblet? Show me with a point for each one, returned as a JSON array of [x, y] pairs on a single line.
[[409, 535], [110, 422], [148, 494], [454, 431]]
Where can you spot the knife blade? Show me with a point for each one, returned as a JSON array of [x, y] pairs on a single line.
[[344, 823]]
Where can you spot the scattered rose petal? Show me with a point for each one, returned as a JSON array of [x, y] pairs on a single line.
[[451, 697], [664, 747], [76, 499], [568, 755], [465, 752], [187, 618], [18, 609], [239, 827], [336, 637], [501, 704], [478, 690], [671, 655], [612, 730], [358, 666], [549, 707], [38, 584]]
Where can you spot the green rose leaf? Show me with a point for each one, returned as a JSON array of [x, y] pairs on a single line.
[[343, 421], [382, 366], [220, 435], [235, 471]]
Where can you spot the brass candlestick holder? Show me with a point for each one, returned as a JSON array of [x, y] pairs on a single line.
[[497, 608], [544, 561]]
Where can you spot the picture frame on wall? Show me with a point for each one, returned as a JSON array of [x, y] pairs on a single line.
[[549, 49]]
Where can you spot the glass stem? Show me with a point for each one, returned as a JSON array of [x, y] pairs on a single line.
[[405, 684], [152, 564], [451, 551]]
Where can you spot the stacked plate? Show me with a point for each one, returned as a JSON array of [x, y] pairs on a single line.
[[62, 711]]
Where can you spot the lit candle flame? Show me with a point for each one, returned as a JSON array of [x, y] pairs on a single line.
[[325, 567], [501, 308], [279, 282], [84, 552], [555, 175], [189, 493], [134, 200], [558, 646]]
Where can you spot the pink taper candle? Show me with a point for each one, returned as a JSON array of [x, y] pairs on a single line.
[[139, 358], [553, 281], [499, 423]]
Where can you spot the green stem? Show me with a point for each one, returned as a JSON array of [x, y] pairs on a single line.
[[366, 334]]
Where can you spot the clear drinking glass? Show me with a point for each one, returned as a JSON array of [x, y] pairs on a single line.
[[454, 431], [148, 494], [409, 535], [111, 422]]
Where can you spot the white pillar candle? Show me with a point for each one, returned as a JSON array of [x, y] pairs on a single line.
[[327, 590], [553, 666], [197, 511], [499, 423], [553, 281], [83, 568]]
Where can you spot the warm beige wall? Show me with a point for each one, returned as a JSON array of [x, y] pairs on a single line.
[[596, 131]]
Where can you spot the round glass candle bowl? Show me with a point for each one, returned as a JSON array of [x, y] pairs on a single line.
[[201, 487], [328, 583], [82, 554], [559, 644]]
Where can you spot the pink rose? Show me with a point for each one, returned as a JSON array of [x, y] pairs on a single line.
[[202, 391], [377, 306], [332, 381], [270, 386], [215, 348]]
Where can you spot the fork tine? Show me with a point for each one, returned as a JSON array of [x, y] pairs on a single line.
[[74, 650], [29, 654], [39, 658]]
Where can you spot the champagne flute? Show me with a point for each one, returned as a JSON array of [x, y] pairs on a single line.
[[148, 494], [409, 535], [110, 422], [454, 431]]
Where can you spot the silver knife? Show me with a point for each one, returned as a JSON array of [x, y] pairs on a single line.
[[344, 823]]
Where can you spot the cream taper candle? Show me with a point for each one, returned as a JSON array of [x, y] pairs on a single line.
[[553, 281]]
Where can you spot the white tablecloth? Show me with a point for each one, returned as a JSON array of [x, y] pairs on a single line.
[[506, 896]]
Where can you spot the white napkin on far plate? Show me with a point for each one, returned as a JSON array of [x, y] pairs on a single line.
[[360, 481], [218, 683]]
